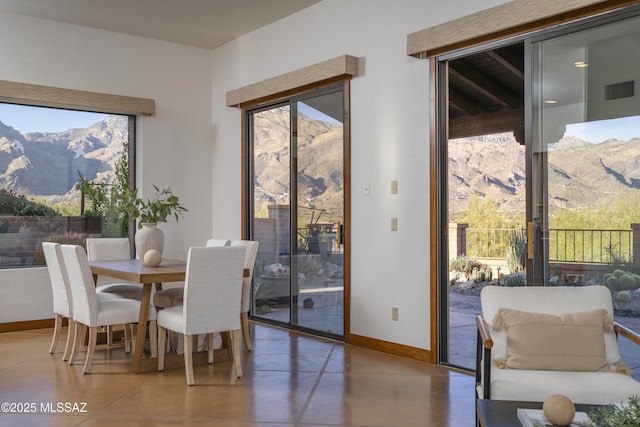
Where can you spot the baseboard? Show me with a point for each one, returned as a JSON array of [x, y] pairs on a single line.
[[27, 325], [392, 348]]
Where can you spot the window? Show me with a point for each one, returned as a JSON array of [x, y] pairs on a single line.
[[47, 156]]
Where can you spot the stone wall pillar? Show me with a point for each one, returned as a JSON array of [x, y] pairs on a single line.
[[636, 244], [457, 240]]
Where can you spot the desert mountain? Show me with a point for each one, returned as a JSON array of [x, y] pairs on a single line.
[[38, 163], [579, 174]]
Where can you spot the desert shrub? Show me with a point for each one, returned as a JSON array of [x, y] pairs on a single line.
[[464, 265]]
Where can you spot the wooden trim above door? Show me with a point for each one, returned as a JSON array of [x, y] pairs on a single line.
[[509, 19]]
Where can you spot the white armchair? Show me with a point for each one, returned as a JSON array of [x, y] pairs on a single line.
[[523, 355]]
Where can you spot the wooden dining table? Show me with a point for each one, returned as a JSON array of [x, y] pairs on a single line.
[[134, 271]]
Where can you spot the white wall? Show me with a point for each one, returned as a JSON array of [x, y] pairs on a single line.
[[193, 142], [389, 140], [174, 146]]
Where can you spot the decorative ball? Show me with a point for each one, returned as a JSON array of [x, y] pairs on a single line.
[[559, 409], [152, 258]]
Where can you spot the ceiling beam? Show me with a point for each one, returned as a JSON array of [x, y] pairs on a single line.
[[487, 86], [489, 123]]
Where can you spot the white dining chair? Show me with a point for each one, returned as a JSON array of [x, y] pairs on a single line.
[[212, 293], [62, 306], [173, 296], [112, 249], [249, 262], [94, 312]]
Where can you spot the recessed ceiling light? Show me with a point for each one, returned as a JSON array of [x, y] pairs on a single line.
[[580, 64], [551, 101]]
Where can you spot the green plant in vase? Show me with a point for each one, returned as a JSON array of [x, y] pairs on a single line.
[[149, 213]]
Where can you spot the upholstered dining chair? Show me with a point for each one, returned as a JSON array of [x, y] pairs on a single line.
[[112, 249], [62, 306], [212, 293], [173, 296], [249, 262], [92, 311]]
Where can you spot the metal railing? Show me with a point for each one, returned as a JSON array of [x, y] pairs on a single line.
[[591, 246], [487, 242], [565, 245]]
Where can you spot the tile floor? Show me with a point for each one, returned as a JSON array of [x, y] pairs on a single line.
[[290, 379]]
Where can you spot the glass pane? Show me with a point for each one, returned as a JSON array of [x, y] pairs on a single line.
[[318, 257], [44, 154], [271, 217], [585, 157]]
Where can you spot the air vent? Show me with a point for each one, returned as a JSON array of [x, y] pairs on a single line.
[[619, 91]]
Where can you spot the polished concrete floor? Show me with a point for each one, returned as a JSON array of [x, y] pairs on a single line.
[[290, 379]]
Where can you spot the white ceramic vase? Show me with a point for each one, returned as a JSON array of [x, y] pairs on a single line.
[[147, 238]]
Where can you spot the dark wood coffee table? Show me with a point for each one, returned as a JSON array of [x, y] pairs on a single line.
[[504, 413]]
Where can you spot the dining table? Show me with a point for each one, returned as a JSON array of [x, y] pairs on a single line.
[[134, 271]]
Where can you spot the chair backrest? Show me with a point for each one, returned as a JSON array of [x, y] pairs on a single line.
[[249, 262], [83, 292], [212, 289], [108, 249], [217, 243], [545, 299], [59, 283]]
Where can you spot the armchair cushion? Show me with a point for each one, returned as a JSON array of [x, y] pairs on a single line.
[[550, 300], [565, 342]]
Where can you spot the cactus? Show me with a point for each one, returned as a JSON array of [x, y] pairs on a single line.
[[517, 251], [515, 281], [623, 296], [613, 283], [618, 273], [627, 282]]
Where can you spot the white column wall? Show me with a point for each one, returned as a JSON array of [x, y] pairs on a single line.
[[389, 141], [174, 146]]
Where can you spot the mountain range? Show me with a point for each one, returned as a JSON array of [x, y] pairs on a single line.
[[579, 174], [47, 164]]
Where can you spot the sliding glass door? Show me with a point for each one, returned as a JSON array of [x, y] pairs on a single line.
[[541, 170], [297, 156]]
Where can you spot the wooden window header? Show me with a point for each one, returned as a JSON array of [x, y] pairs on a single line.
[[508, 19], [47, 96], [344, 65]]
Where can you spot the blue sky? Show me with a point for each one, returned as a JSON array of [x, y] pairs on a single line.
[[624, 128], [26, 119]]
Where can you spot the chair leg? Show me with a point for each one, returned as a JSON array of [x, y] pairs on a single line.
[[244, 317], [71, 331], [162, 337], [235, 351], [210, 348], [188, 359], [77, 339], [93, 337], [153, 338], [127, 338], [57, 327]]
